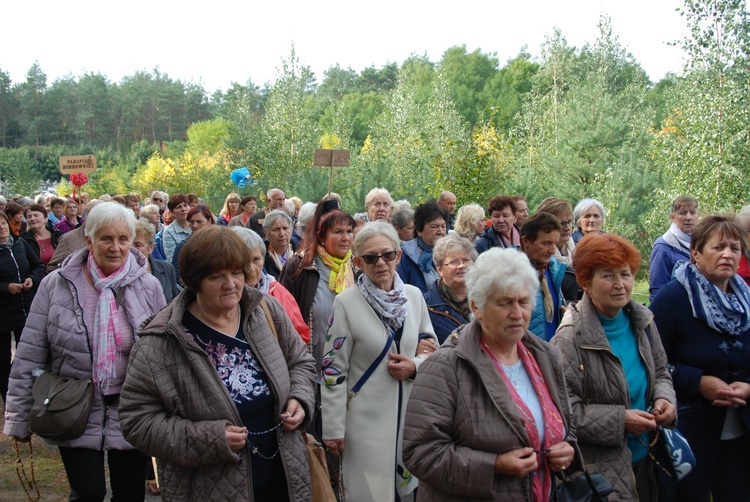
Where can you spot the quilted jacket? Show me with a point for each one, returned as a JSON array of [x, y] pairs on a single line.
[[175, 407], [599, 392], [461, 416], [56, 337]]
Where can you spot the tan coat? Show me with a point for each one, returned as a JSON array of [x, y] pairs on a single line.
[[175, 407], [461, 416], [599, 391]]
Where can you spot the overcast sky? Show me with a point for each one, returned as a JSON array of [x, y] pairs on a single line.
[[219, 42]]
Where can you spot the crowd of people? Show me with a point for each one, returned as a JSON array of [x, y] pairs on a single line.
[[438, 352]]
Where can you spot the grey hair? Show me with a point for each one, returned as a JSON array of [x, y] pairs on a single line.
[[306, 212], [148, 210], [501, 270], [273, 216], [466, 219], [147, 229], [451, 243], [584, 205], [378, 192], [402, 217], [289, 207], [743, 217], [373, 229], [109, 213], [401, 205], [269, 193], [3, 200], [251, 238]]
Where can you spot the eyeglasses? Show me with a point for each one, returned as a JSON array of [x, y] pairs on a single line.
[[568, 223], [158, 200], [458, 263], [372, 259]]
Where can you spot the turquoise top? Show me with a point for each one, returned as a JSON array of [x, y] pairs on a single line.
[[624, 345]]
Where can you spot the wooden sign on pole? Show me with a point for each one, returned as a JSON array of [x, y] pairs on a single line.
[[70, 164], [330, 158]]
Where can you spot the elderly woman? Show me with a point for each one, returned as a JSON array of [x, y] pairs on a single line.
[[615, 367], [230, 210], [403, 221], [565, 246], [21, 271], [674, 245], [163, 271], [151, 214], [82, 325], [378, 204], [41, 236], [70, 220], [369, 366], [278, 229], [178, 230], [703, 316], [488, 416], [743, 218], [320, 271], [418, 267], [447, 299], [267, 284], [470, 221], [588, 216], [502, 233], [218, 383]]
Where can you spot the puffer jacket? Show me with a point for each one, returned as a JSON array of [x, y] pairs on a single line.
[[598, 388], [57, 338], [461, 416], [174, 406]]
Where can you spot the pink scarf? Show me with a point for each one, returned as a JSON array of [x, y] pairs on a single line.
[[106, 343], [553, 426]]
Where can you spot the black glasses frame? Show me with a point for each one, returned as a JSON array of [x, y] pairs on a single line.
[[372, 259]]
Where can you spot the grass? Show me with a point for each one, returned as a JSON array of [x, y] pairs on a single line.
[[48, 471]]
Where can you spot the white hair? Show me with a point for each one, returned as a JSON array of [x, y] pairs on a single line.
[[501, 270], [584, 205], [108, 213], [251, 238], [273, 216], [375, 228]]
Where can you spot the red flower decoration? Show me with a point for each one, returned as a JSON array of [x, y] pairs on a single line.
[[79, 179]]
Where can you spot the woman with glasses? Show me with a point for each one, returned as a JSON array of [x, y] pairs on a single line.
[[369, 364], [563, 210], [447, 300], [418, 267], [230, 210]]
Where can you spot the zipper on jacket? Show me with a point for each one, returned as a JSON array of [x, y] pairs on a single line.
[[619, 362]]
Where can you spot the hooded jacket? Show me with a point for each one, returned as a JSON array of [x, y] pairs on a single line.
[[174, 406], [598, 388], [56, 338]]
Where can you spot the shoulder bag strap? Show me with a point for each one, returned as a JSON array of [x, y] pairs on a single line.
[[269, 318], [357, 386]]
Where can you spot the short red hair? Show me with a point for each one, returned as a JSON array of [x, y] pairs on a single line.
[[597, 250]]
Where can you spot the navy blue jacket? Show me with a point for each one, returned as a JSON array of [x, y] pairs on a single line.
[[445, 319]]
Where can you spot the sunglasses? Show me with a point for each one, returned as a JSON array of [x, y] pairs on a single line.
[[372, 259]]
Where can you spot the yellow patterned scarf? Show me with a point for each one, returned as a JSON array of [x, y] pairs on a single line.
[[342, 275]]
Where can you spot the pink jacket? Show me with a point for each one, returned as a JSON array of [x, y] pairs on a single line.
[[56, 338]]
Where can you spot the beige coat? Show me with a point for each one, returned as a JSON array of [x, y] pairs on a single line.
[[461, 416], [599, 391], [175, 407]]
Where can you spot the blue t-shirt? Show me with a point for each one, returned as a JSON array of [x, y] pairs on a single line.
[[624, 345]]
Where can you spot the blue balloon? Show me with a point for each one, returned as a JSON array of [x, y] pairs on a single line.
[[242, 177]]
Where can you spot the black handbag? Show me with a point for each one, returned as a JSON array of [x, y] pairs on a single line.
[[61, 406], [588, 487]]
